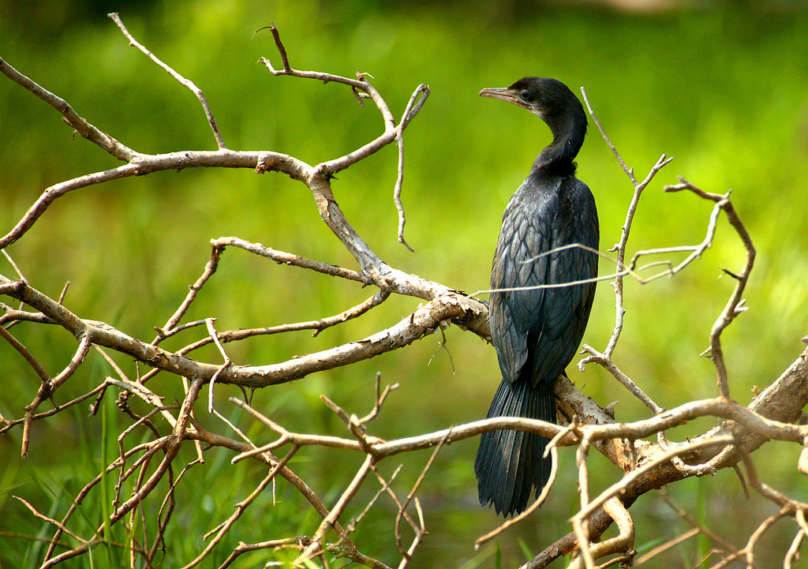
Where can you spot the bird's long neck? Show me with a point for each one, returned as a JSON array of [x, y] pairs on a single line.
[[568, 136]]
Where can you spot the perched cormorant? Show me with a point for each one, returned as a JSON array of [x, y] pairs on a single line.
[[537, 332]]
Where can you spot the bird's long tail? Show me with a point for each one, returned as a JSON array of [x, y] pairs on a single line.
[[509, 463]]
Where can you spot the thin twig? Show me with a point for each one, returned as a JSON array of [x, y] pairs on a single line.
[[316, 325], [281, 257], [47, 389], [379, 400], [25, 353], [545, 491], [793, 552], [606, 362], [316, 546], [413, 106], [580, 524], [762, 529], [210, 268], [622, 543], [227, 362], [632, 209], [71, 117], [682, 513], [411, 495], [240, 508], [730, 311], [8, 424], [49, 520], [122, 452], [666, 546], [402, 219], [384, 486], [182, 80]]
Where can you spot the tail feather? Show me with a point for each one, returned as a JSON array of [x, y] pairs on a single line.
[[509, 465]]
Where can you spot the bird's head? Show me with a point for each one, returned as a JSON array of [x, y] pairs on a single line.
[[544, 97], [553, 102]]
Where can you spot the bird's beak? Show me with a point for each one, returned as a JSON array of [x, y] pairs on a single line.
[[503, 94]]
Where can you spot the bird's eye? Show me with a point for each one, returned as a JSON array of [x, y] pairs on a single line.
[[525, 94]]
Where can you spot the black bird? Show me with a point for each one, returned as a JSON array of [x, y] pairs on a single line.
[[537, 332]]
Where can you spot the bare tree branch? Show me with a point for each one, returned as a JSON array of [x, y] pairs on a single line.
[[71, 117], [194, 89], [641, 465], [731, 309]]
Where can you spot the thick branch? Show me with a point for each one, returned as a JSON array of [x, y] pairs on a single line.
[[454, 308], [782, 401], [141, 164]]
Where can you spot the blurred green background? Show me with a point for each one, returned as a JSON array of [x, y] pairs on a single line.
[[720, 86]]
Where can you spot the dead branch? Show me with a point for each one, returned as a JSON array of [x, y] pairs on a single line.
[[182, 80], [632, 209], [686, 516], [730, 311], [240, 508], [773, 415], [623, 543]]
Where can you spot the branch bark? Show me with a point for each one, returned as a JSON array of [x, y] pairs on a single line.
[[772, 415]]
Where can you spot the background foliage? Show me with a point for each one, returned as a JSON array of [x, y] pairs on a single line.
[[720, 88]]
